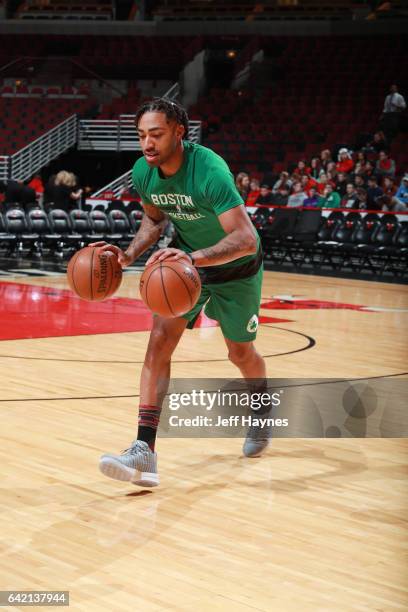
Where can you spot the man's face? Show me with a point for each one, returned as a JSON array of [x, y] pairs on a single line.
[[382, 155], [350, 189], [264, 191], [340, 176], [393, 89], [328, 190], [159, 137], [359, 180]]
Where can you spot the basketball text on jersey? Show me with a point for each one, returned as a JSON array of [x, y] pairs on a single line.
[[175, 204]]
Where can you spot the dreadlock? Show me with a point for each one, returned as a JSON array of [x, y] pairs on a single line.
[[172, 110]]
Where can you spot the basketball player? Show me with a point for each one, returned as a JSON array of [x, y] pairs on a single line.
[[193, 187]]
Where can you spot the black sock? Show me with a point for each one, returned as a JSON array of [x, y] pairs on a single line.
[[148, 421]]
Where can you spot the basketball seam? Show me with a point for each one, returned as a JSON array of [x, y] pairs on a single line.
[[112, 273], [147, 283], [164, 289], [183, 281], [91, 270]]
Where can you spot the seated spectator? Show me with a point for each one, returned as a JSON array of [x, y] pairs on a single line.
[[242, 184], [301, 169], [332, 168], [392, 204], [385, 166], [265, 197], [350, 198], [307, 183], [16, 192], [323, 181], [297, 197], [379, 142], [402, 193], [359, 181], [362, 198], [373, 193], [313, 199], [330, 199], [345, 162], [361, 158], [368, 170], [388, 186], [62, 191], [315, 168], [283, 182], [341, 183], [254, 192], [325, 158], [38, 186]]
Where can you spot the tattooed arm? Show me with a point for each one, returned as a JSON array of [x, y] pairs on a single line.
[[239, 241], [152, 226]]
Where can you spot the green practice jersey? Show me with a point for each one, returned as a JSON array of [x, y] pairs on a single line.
[[193, 198]]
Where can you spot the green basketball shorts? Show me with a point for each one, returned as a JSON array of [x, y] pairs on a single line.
[[234, 304]]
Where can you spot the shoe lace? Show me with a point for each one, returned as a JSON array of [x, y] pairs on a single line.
[[136, 448]]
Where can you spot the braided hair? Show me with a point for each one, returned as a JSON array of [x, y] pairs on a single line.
[[172, 110]]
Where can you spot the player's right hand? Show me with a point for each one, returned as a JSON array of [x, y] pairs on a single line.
[[123, 258]]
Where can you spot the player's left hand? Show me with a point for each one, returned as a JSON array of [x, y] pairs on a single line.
[[170, 254]]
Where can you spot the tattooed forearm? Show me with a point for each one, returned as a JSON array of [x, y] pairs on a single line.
[[148, 233], [236, 244]]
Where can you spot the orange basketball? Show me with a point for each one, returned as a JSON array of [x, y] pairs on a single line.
[[170, 288], [94, 275]]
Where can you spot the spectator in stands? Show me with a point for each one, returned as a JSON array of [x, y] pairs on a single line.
[[391, 204], [394, 105], [330, 199], [325, 158], [62, 191], [313, 199], [359, 181], [388, 186], [298, 196], [341, 183], [362, 198], [332, 167], [38, 186], [283, 183], [265, 197], [301, 168], [308, 183], [350, 198], [15, 192], [369, 170], [378, 143], [402, 193], [315, 168], [323, 180], [373, 193], [345, 161], [254, 192], [385, 166], [361, 158], [242, 184]]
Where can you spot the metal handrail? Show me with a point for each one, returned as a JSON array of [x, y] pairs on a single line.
[[34, 156]]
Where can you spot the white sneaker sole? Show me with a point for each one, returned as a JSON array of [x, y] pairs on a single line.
[[115, 469]]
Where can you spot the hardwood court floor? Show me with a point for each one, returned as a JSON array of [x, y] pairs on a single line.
[[314, 525]]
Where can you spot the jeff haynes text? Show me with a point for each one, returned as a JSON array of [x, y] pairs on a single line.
[[231, 421]]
